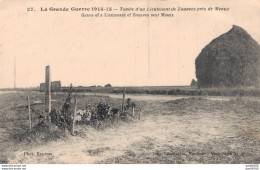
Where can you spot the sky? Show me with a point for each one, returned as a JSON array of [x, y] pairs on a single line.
[[119, 51]]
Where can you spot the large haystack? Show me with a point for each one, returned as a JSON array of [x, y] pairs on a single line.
[[231, 60]]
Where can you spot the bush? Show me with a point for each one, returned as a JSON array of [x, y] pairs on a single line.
[[193, 83], [103, 110], [108, 85], [63, 118]]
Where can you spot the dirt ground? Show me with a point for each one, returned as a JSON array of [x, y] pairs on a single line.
[[190, 130]]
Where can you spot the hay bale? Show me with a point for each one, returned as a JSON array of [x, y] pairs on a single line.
[[231, 60]]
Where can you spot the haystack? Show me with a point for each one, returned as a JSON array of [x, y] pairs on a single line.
[[231, 60]]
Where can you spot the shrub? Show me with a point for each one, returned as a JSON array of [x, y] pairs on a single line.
[[193, 83], [103, 109], [108, 85], [64, 118]]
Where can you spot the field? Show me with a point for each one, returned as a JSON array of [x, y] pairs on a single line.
[[160, 90], [172, 90], [181, 130]]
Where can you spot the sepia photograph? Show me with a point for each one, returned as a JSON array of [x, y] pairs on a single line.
[[129, 82]]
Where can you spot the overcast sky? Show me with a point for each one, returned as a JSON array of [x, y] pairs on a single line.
[[119, 51]]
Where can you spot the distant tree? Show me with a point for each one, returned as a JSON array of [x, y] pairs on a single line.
[[108, 85], [193, 83]]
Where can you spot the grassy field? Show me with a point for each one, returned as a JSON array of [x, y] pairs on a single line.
[[160, 90], [191, 130], [172, 90]]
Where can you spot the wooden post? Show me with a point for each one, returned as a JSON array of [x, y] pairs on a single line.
[[75, 110], [47, 93], [123, 103], [29, 111], [139, 114], [133, 111]]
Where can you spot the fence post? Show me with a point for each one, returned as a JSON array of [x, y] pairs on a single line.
[[123, 103], [29, 111], [140, 114], [47, 93], [75, 110]]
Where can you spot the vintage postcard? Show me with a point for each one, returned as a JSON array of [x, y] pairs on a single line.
[[129, 82]]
